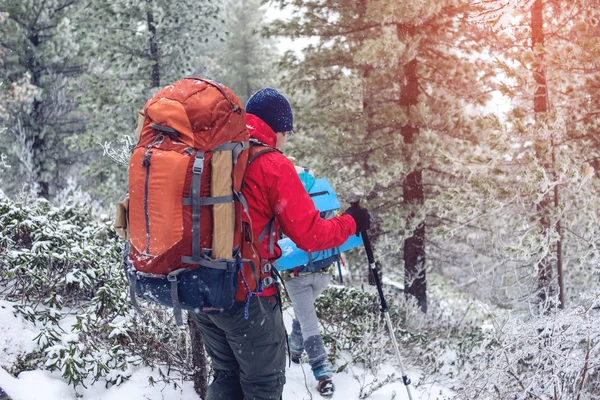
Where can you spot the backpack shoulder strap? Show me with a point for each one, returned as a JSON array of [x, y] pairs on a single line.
[[257, 149], [257, 153]]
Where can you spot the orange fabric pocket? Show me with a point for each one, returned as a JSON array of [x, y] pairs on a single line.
[[156, 183]]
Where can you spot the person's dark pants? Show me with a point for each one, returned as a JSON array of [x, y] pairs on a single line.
[[248, 355]]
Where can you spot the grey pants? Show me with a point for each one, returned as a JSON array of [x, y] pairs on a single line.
[[303, 291], [248, 355]]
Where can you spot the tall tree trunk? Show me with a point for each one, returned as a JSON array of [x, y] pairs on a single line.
[[367, 96], [38, 148], [415, 279], [540, 108], [153, 43], [36, 121], [540, 98], [559, 264], [248, 89], [415, 282], [200, 373]]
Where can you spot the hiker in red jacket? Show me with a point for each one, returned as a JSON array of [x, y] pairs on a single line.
[[248, 355]]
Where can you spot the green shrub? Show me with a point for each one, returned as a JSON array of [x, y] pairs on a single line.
[[351, 320], [63, 268]]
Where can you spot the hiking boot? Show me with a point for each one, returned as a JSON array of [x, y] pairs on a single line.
[[296, 358], [326, 387]]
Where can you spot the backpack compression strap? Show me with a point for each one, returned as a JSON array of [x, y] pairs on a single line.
[[196, 202], [270, 227], [194, 199]]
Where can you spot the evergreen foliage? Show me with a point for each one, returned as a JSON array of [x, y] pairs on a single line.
[[549, 357], [394, 103], [554, 155], [388, 88], [63, 268], [133, 49], [483, 175], [40, 59], [246, 58]]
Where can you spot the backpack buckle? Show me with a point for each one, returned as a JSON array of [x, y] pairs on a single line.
[[268, 281], [173, 276], [266, 268], [198, 164]]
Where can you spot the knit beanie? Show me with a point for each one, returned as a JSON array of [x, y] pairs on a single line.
[[273, 108]]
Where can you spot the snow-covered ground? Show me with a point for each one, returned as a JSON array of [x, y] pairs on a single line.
[[16, 338]]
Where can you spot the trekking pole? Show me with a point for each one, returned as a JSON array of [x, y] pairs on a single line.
[[384, 306]]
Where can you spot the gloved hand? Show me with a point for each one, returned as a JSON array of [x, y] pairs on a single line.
[[361, 217]]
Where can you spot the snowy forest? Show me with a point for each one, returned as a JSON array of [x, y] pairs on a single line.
[[470, 130]]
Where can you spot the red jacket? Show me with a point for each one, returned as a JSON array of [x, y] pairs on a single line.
[[273, 188]]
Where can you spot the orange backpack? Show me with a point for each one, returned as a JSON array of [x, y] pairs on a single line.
[[191, 244]]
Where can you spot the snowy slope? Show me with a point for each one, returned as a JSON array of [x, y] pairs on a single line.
[[16, 336], [16, 339]]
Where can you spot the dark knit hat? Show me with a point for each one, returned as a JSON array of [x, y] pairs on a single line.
[[273, 108]]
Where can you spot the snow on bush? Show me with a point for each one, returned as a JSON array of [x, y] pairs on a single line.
[[62, 266], [477, 350], [552, 356]]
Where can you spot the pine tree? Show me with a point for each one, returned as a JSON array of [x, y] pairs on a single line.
[[389, 83], [40, 53], [549, 70], [133, 50], [246, 56]]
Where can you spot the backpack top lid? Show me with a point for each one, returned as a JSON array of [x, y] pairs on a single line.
[[203, 114]]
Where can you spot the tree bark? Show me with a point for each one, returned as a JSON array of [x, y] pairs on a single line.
[[36, 121], [200, 372], [367, 97], [415, 282], [540, 108], [540, 98], [153, 43], [559, 264]]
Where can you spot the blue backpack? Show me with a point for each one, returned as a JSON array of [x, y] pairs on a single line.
[[327, 202]]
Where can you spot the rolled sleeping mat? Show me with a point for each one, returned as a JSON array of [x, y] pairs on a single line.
[[223, 213]]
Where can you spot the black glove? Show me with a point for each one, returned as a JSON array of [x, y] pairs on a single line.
[[361, 217]]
